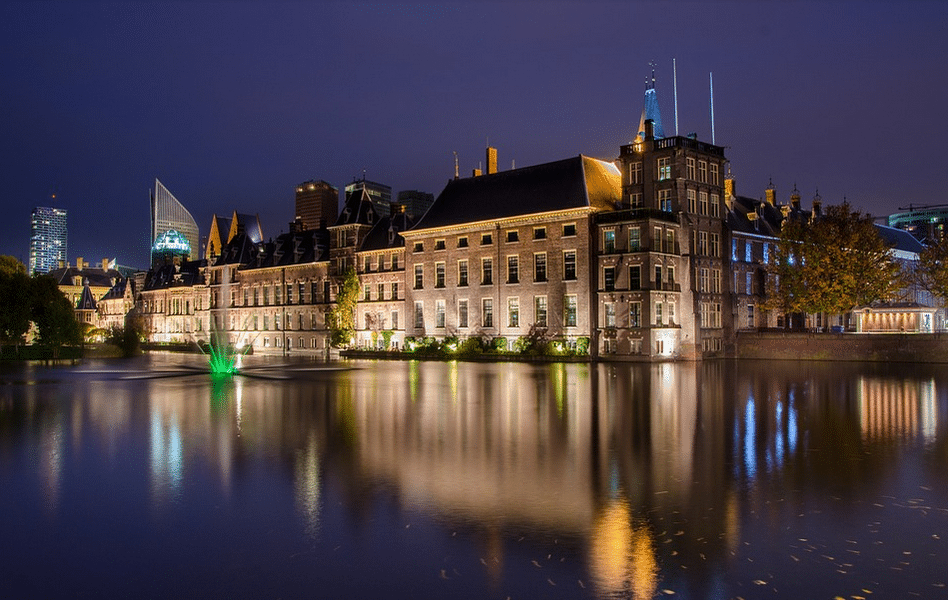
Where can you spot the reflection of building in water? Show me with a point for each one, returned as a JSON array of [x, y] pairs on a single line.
[[765, 431], [622, 554], [892, 409]]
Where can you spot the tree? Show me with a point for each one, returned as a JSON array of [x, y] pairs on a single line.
[[341, 318], [932, 268], [833, 264], [14, 301], [53, 314]]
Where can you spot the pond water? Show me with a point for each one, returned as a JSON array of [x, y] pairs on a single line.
[[357, 479]]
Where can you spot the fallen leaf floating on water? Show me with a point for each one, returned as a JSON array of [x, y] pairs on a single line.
[[550, 581], [483, 562], [668, 592], [444, 574], [760, 582], [580, 582], [536, 564]]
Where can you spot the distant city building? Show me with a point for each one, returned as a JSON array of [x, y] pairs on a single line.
[[168, 213], [317, 204], [925, 223], [379, 193], [415, 203], [48, 238]]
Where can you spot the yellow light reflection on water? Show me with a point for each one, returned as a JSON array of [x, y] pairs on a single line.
[[622, 553]]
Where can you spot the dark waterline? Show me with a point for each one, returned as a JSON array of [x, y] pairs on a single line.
[[469, 480]]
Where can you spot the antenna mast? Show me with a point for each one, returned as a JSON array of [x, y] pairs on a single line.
[[675, 79], [711, 81]]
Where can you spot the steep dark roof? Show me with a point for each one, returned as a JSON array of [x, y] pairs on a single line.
[[766, 220], [188, 273], [118, 290], [94, 276], [899, 239], [358, 209], [576, 182], [239, 251], [251, 226], [387, 232], [292, 249], [86, 300]]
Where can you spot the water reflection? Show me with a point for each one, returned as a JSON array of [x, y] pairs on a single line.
[[620, 480]]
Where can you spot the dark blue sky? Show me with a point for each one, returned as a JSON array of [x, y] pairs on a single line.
[[231, 104]]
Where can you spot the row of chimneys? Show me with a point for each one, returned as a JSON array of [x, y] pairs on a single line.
[[491, 157], [81, 264]]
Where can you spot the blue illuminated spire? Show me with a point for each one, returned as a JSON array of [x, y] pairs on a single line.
[[650, 111]]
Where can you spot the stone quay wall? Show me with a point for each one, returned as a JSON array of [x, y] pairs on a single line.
[[873, 347]]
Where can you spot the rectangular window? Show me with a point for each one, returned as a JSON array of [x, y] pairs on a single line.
[[439, 274], [635, 277], [569, 265], [635, 172], [635, 314], [439, 245], [703, 280], [439, 313], [658, 313], [670, 307], [367, 265], [366, 292], [419, 247], [766, 253], [610, 320], [462, 242], [748, 287], [703, 171], [748, 248], [635, 239], [513, 269], [715, 281], [609, 278], [394, 319], [715, 174], [462, 273], [539, 310], [539, 233], [715, 205], [513, 236], [665, 200], [690, 162], [539, 266], [670, 241], [394, 262], [419, 315], [750, 316], [394, 290], [462, 313], [513, 312], [703, 203], [419, 277], [715, 244], [609, 241], [664, 168], [734, 250], [266, 296], [635, 200], [692, 201], [671, 276], [703, 243], [656, 239], [487, 239], [487, 271], [569, 311], [569, 230], [381, 263], [487, 312], [658, 277], [381, 291], [289, 294]]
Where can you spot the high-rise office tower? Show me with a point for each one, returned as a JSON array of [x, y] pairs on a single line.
[[47, 239], [379, 193], [169, 214], [317, 203], [416, 203]]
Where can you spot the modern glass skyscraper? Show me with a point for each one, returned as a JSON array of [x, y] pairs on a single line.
[[47, 239], [167, 213]]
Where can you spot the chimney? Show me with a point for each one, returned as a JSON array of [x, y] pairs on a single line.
[[105, 264], [491, 160], [817, 205], [649, 129], [476, 173], [771, 194], [80, 264]]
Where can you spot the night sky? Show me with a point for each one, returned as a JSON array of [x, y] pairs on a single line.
[[231, 104]]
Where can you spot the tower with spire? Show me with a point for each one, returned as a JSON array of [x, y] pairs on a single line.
[[650, 111]]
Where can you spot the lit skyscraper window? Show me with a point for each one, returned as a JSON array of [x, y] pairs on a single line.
[[47, 239]]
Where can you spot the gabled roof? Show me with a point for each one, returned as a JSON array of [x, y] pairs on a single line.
[[239, 251], [119, 289], [94, 276], [578, 182], [358, 209], [387, 232], [247, 224], [188, 273]]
